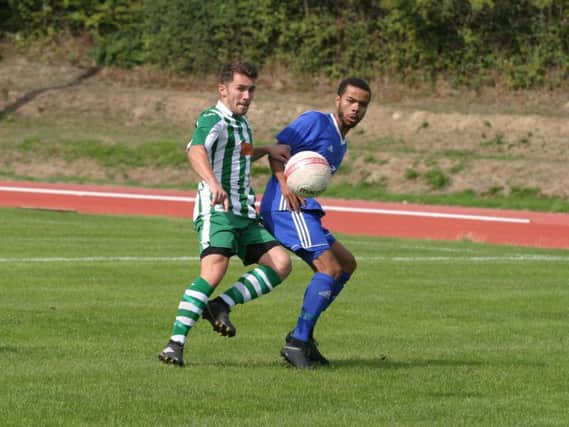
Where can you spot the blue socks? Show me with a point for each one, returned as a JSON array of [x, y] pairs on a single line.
[[319, 294], [338, 286]]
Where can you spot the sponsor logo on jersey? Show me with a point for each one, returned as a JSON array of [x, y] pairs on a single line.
[[246, 149]]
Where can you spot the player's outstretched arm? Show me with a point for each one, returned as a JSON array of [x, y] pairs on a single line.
[[279, 152]]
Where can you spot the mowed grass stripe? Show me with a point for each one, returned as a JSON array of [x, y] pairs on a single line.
[[426, 341]]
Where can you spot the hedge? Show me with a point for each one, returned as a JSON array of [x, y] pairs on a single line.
[[522, 42]]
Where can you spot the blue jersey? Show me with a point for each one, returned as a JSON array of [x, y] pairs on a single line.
[[314, 131]]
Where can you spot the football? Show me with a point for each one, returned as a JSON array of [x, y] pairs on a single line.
[[307, 174]]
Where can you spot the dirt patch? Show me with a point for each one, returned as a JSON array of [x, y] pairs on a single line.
[[480, 141]]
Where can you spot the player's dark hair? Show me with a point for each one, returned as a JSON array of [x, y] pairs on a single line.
[[353, 81], [246, 68]]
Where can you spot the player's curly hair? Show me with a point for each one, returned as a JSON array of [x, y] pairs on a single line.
[[246, 68], [353, 81]]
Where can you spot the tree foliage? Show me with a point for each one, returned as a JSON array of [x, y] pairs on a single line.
[[472, 42]]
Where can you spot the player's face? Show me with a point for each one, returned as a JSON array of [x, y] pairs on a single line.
[[238, 94], [351, 107]]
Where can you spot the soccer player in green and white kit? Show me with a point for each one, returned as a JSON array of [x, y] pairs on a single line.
[[221, 152]]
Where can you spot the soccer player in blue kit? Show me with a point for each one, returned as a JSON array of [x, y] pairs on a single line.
[[297, 222]]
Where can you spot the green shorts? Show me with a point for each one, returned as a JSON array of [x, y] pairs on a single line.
[[234, 234]]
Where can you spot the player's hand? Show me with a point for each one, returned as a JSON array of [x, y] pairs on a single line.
[[219, 196], [294, 202], [280, 152]]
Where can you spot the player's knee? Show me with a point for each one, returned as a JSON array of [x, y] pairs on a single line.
[[351, 265], [280, 262], [284, 268], [348, 262], [329, 264], [334, 270], [329, 267]]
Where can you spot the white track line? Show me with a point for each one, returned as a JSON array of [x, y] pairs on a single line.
[[98, 259], [107, 194], [430, 214], [331, 208]]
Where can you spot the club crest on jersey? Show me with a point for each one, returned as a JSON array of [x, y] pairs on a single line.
[[246, 149]]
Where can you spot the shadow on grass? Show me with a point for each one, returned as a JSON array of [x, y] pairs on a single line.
[[10, 108], [380, 362], [8, 349], [383, 362]]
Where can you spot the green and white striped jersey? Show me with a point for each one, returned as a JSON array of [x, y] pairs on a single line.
[[228, 141]]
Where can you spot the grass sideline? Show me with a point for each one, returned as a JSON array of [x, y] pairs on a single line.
[[427, 333]]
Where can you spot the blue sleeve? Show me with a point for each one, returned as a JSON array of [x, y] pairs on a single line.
[[298, 134]]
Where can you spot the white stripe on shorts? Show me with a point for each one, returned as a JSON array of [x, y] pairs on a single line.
[[301, 229], [283, 204]]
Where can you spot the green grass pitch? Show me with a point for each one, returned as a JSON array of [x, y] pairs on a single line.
[[425, 334]]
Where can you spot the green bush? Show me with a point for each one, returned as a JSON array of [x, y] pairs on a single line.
[[436, 179], [411, 174], [523, 43]]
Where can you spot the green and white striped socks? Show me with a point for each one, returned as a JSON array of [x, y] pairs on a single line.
[[251, 285], [190, 309]]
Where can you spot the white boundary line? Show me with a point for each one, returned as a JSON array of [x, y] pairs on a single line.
[[475, 259], [331, 208]]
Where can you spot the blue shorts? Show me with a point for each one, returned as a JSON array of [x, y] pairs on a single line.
[[301, 232]]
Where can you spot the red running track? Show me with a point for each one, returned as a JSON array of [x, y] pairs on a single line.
[[520, 228]]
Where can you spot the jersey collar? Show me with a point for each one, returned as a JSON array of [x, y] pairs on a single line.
[[333, 117], [226, 111]]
